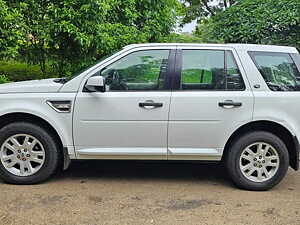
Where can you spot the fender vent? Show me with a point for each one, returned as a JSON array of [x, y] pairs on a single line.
[[61, 106]]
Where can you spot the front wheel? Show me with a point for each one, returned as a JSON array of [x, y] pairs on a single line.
[[257, 161], [28, 153]]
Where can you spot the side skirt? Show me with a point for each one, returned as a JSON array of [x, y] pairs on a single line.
[[150, 154]]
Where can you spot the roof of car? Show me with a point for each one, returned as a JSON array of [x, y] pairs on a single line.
[[247, 47]]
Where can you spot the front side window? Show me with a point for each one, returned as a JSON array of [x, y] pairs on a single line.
[[278, 70], [210, 70], [138, 71]]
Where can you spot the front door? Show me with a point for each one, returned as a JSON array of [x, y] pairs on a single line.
[[130, 119], [210, 101]]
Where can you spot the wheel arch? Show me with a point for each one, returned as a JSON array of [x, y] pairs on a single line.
[[290, 140], [8, 118]]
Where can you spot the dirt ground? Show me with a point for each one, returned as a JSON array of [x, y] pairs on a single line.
[[119, 193]]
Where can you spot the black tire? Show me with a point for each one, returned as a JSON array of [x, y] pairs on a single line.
[[52, 155], [232, 160]]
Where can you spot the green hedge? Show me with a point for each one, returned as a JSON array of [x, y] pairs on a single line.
[[18, 71]]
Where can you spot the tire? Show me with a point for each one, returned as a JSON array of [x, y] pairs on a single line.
[[238, 157], [41, 146]]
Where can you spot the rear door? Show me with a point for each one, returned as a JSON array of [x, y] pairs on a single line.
[[211, 98]]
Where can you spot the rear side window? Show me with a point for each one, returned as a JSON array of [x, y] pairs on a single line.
[[210, 70], [278, 70]]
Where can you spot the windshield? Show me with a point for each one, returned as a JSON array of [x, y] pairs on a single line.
[[89, 66]]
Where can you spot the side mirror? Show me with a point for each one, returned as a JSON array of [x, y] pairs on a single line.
[[95, 83]]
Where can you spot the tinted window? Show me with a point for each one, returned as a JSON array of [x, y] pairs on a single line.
[[278, 70], [142, 70], [210, 70]]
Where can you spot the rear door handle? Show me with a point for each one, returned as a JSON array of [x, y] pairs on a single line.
[[150, 104], [230, 104]]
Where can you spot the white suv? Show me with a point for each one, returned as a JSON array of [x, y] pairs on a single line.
[[234, 103]]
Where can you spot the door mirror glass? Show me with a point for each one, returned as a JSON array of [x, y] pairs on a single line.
[[95, 83]]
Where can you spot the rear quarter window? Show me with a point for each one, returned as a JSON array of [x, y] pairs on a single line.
[[279, 70]]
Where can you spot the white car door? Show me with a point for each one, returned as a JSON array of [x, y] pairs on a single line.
[[130, 119], [211, 100]]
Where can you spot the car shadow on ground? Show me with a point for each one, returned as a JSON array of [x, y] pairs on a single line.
[[145, 170]]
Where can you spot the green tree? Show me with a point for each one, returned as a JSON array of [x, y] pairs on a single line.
[[202, 9], [205, 31], [256, 21], [71, 34], [11, 34]]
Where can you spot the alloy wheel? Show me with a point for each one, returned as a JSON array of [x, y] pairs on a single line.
[[22, 155], [259, 162]]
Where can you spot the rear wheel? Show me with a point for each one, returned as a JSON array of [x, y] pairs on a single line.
[[28, 153], [257, 161]]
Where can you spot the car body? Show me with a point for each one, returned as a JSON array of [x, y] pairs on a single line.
[[191, 102]]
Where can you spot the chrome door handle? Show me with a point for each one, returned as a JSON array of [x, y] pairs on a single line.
[[228, 104], [150, 104]]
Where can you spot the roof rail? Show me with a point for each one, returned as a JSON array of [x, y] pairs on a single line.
[[130, 46]]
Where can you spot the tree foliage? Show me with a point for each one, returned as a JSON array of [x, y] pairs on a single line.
[[202, 9], [70, 34], [11, 35], [180, 38], [256, 21]]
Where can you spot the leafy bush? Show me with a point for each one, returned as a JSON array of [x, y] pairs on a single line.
[[17, 71], [4, 79]]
